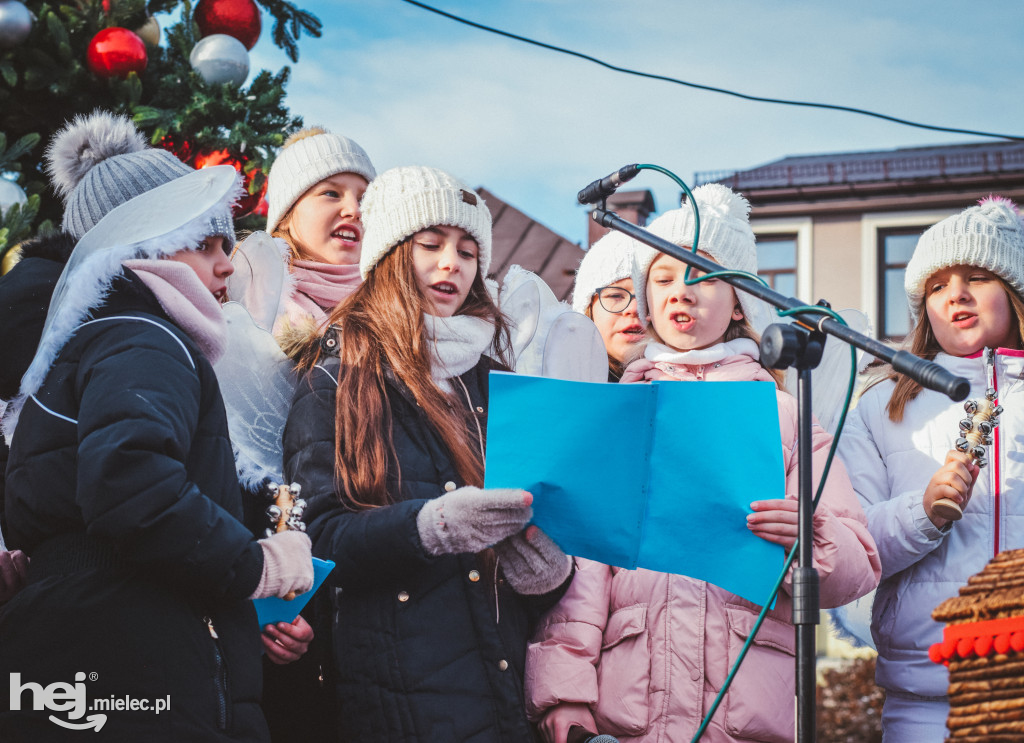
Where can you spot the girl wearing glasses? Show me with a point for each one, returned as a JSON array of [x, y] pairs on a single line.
[[604, 293], [640, 654]]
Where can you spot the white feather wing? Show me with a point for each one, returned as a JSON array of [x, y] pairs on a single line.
[[257, 381]]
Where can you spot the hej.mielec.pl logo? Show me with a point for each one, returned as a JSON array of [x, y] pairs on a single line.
[[70, 699]]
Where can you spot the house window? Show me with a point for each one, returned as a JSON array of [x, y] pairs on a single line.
[[776, 262], [895, 246]]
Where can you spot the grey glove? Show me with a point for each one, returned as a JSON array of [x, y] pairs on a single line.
[[287, 565], [532, 563], [470, 519]]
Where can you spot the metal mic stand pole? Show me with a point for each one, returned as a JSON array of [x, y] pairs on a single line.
[[783, 346], [800, 345]]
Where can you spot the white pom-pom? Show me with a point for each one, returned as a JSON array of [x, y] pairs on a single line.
[[714, 198], [86, 141]]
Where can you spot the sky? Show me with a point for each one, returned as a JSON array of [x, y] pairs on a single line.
[[534, 126]]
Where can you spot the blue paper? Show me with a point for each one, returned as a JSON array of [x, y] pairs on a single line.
[[658, 475], [272, 609]]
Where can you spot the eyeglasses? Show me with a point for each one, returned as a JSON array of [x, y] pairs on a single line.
[[614, 299]]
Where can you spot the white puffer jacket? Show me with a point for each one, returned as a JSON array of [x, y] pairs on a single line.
[[890, 465]]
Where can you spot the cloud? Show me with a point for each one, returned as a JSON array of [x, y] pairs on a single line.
[[535, 126]]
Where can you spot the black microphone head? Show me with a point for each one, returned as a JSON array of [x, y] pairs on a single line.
[[603, 738]]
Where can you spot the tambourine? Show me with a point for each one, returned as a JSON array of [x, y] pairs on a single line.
[[975, 434], [285, 512]]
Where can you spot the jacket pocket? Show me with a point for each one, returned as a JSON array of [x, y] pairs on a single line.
[[623, 673], [760, 702]]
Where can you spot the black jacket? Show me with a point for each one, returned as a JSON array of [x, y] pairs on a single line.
[[24, 299], [425, 648], [121, 488]]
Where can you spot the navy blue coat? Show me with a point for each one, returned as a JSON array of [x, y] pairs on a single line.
[[425, 648], [121, 488]]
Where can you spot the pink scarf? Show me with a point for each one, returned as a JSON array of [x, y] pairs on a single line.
[[186, 301], [320, 287]]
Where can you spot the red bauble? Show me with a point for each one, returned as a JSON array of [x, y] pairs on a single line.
[[115, 51], [180, 147], [249, 201], [238, 18], [263, 207]]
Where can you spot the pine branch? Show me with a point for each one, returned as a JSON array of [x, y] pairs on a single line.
[[289, 23]]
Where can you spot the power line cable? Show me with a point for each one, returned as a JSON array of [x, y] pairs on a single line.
[[699, 86]]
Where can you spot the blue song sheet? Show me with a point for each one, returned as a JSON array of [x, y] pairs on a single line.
[[657, 475], [272, 610]]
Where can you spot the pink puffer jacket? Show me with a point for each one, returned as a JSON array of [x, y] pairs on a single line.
[[649, 651]]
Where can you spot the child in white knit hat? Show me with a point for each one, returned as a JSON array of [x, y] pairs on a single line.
[[313, 194], [965, 283], [604, 292], [437, 581], [121, 486], [639, 654]]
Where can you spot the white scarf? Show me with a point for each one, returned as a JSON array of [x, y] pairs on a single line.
[[457, 343], [658, 352]]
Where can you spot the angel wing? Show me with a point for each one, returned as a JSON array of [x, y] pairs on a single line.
[[830, 379], [257, 381], [549, 339], [575, 350], [853, 621], [521, 304], [260, 279]]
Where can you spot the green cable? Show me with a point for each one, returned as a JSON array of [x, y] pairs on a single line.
[[817, 309], [806, 309]]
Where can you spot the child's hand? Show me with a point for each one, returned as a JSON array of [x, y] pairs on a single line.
[[13, 569], [554, 726], [954, 480], [774, 521], [285, 642]]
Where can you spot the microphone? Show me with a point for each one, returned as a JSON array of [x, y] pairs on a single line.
[[603, 188], [579, 734]]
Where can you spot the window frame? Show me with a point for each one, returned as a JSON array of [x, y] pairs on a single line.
[[880, 274]]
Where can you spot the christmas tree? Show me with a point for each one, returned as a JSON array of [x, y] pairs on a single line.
[[183, 89]]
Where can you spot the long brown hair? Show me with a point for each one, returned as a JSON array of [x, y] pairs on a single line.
[[923, 343], [379, 329]]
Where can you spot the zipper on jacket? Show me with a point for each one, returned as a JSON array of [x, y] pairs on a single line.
[[221, 680]]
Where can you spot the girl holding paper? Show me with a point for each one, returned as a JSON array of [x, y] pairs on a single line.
[[640, 654], [965, 283], [604, 292], [437, 584]]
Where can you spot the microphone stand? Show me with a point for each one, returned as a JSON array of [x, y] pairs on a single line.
[[800, 345]]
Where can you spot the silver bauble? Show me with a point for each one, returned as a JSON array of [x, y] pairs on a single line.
[[10, 194], [15, 23], [219, 59]]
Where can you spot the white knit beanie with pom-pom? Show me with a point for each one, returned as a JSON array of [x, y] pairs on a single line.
[[610, 259], [100, 161], [308, 157], [725, 235], [989, 236]]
